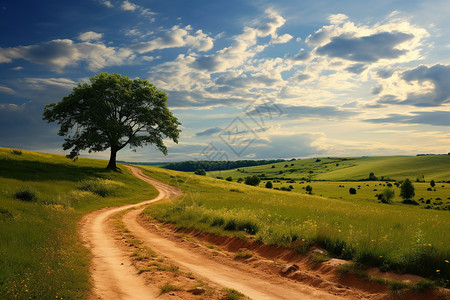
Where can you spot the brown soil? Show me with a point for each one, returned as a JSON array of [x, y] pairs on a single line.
[[209, 261]]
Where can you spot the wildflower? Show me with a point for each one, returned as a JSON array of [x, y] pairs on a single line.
[[446, 261], [429, 245], [437, 271], [381, 256]]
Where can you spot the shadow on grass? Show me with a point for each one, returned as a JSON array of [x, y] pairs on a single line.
[[40, 171]]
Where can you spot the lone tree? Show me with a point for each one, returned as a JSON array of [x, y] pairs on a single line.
[[407, 190], [112, 112]]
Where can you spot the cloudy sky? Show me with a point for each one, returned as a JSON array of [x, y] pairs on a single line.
[[247, 79]]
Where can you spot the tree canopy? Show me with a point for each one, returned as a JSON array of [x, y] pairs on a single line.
[[113, 111]]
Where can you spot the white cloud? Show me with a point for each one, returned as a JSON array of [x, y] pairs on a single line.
[[58, 54], [126, 5], [5, 89], [108, 3], [174, 38], [90, 36]]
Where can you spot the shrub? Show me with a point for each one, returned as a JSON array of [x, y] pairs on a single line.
[[101, 187], [252, 180], [309, 189], [407, 189], [218, 221], [231, 225], [387, 195], [201, 172], [239, 180], [248, 226], [229, 178], [372, 176], [16, 152], [432, 183], [26, 194], [352, 191], [269, 185]]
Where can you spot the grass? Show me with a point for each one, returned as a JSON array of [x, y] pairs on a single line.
[[428, 167], [168, 287], [41, 255], [397, 237], [232, 294]]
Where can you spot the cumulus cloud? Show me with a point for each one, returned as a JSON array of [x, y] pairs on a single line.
[[90, 36], [366, 48], [174, 38], [422, 86], [439, 76], [129, 6], [58, 54]]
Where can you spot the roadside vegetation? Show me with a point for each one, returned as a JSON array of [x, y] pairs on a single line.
[[42, 197], [397, 237]]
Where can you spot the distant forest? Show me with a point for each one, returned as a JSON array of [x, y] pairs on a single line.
[[191, 166]]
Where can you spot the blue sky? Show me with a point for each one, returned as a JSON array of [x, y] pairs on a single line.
[[247, 79]]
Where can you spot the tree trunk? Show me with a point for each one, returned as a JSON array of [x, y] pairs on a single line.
[[112, 160]]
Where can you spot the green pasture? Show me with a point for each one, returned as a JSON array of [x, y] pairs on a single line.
[[41, 256], [399, 237], [426, 168]]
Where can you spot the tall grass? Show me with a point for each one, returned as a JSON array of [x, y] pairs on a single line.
[[41, 256], [394, 236]]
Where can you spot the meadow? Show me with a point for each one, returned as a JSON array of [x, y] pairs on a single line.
[[427, 167], [41, 255], [399, 237]]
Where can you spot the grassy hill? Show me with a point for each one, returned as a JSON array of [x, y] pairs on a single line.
[[397, 236], [428, 167], [41, 256]]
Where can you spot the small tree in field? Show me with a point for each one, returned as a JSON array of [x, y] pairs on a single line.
[[269, 184], [252, 180], [201, 172], [309, 189], [387, 196], [352, 191], [432, 183], [407, 190], [113, 111]]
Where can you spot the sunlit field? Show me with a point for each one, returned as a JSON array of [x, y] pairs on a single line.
[[397, 236], [41, 256]]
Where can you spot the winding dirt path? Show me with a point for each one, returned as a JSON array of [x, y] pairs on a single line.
[[115, 278]]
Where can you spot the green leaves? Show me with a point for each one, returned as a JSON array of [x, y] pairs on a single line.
[[113, 112]]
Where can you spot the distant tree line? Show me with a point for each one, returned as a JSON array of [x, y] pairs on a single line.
[[191, 166]]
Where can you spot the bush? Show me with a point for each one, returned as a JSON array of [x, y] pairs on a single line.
[[407, 190], [432, 183], [252, 180], [229, 178], [269, 185], [201, 172], [309, 189], [372, 176], [352, 191], [26, 194], [248, 226], [218, 221], [231, 225], [100, 187], [387, 195], [16, 152]]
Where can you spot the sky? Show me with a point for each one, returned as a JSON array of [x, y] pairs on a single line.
[[252, 79]]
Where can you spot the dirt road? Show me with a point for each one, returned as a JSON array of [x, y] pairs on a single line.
[[115, 278]]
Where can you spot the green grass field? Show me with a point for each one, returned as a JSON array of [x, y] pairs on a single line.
[[41, 256], [428, 167], [398, 237]]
